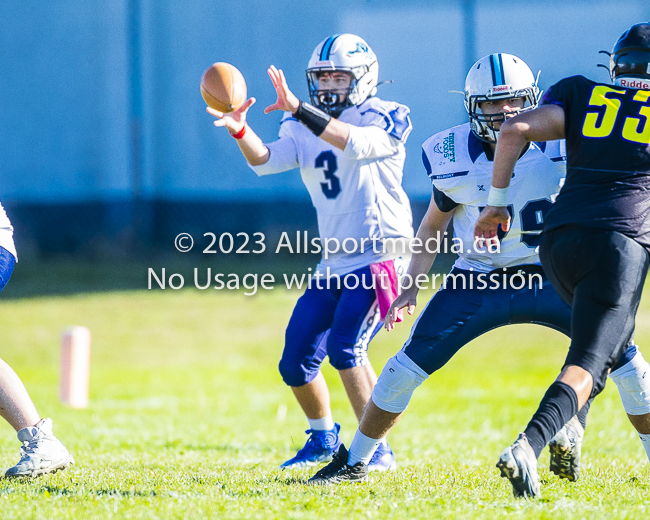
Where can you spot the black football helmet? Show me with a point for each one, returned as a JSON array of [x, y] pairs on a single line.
[[631, 54]]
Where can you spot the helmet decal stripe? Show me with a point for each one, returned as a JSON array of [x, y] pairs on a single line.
[[327, 47], [496, 63], [494, 78], [503, 76]]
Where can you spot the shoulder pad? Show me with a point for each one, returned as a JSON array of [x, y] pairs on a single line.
[[447, 154], [388, 115]]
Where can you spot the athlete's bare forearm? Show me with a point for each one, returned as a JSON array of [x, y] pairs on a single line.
[[252, 147], [543, 124], [433, 225]]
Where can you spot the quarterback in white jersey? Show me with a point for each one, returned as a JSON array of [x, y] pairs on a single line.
[[41, 451], [349, 146], [459, 163], [357, 191]]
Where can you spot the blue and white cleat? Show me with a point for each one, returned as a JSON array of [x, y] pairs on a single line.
[[320, 447], [519, 465], [383, 459]]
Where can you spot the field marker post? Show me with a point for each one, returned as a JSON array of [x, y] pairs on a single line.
[[75, 366]]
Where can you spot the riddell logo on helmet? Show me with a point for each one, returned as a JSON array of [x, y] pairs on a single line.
[[500, 88], [635, 83]]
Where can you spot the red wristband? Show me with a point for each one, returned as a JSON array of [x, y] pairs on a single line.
[[239, 134]]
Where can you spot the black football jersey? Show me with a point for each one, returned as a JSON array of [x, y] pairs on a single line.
[[607, 131]]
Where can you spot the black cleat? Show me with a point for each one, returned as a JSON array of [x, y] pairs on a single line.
[[565, 450], [519, 465], [338, 471]]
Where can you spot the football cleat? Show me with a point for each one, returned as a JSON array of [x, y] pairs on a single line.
[[320, 447], [518, 464], [383, 459], [41, 452], [565, 450], [338, 471]]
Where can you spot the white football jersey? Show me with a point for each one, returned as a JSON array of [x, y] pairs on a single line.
[[357, 192], [462, 175], [6, 233]]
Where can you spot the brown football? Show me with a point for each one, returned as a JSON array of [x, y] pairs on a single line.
[[223, 87]]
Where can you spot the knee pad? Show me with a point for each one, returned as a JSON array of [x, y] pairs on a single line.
[[294, 373], [633, 383], [397, 382]]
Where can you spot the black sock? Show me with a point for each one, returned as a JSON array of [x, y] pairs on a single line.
[[559, 404], [582, 414]]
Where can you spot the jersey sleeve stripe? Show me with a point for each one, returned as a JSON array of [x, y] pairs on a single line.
[[425, 161], [450, 175]]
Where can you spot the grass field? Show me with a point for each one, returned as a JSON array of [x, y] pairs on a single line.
[[190, 419]]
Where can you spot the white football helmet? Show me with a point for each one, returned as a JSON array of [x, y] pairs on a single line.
[[343, 53], [497, 76]]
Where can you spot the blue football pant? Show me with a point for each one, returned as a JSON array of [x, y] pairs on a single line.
[[334, 322], [455, 316]]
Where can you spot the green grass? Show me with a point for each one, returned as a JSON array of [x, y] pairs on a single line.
[[190, 419]]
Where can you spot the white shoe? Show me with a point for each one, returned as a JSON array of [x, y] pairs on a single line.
[[40, 453]]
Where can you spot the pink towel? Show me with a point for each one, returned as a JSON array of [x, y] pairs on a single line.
[[386, 287]]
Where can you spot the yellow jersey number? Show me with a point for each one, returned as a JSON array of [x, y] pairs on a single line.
[[635, 129]]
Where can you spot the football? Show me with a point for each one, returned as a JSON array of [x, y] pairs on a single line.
[[223, 87]]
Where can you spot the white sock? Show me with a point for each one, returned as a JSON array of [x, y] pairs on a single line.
[[326, 423], [645, 440], [362, 448]]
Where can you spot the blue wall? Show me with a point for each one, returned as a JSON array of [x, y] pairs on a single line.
[[73, 128]]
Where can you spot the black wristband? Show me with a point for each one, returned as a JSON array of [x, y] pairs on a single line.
[[313, 118]]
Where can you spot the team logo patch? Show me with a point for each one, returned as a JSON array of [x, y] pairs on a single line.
[[361, 47], [448, 148]]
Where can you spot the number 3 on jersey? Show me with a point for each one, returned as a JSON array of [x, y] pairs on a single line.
[[332, 187]]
